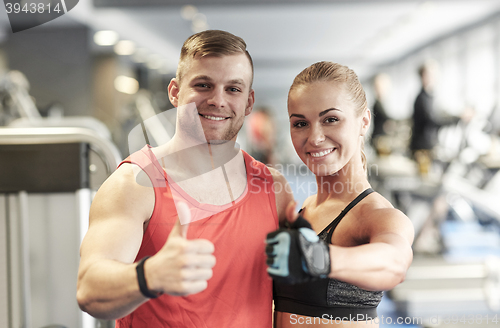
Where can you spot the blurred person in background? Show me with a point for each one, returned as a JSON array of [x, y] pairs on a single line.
[[262, 135], [426, 120], [382, 86], [425, 123]]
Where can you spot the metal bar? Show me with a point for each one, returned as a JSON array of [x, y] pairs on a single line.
[[4, 277], [487, 201], [14, 272], [43, 135], [25, 257], [83, 202]]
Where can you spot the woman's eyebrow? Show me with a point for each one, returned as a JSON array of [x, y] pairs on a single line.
[[327, 110], [320, 114]]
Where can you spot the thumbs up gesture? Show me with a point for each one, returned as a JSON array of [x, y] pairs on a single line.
[[296, 254], [182, 266]]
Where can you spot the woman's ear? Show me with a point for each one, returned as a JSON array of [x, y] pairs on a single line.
[[365, 122]]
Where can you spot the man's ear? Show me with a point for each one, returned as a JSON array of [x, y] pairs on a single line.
[[365, 122], [173, 92], [251, 101]]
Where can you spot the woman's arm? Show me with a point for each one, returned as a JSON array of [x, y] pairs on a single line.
[[382, 263]]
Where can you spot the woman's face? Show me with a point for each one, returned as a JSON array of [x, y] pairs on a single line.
[[325, 127]]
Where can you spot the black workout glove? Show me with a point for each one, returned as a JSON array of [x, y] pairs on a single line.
[[297, 255]]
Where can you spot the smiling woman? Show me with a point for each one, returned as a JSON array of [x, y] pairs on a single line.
[[335, 90], [367, 241]]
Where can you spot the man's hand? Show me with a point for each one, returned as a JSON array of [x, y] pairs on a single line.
[[297, 254], [182, 266]]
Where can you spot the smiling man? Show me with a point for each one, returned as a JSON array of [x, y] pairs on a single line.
[[139, 264]]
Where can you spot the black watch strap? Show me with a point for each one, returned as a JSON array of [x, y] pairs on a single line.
[[141, 278]]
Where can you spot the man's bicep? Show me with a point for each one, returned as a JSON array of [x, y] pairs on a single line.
[[117, 216], [114, 238]]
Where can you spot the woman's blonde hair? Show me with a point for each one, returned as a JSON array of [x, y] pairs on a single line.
[[326, 71]]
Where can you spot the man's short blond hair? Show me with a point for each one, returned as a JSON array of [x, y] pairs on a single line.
[[211, 43]]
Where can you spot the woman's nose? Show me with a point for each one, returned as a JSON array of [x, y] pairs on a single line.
[[316, 137]]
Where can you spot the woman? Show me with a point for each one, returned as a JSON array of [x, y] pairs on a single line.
[[369, 241]]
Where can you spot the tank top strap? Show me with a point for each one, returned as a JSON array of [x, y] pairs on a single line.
[[331, 227], [146, 160]]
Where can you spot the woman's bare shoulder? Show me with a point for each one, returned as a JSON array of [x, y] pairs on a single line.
[[379, 216]]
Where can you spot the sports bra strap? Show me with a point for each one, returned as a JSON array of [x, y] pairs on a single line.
[[331, 227]]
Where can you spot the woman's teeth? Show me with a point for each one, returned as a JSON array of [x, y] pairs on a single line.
[[321, 153]]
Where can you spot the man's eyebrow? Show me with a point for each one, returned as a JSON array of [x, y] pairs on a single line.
[[237, 81], [203, 77], [327, 110], [208, 78]]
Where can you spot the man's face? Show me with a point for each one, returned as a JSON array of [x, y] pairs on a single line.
[[220, 88]]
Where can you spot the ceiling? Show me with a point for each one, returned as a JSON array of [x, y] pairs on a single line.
[[285, 36]]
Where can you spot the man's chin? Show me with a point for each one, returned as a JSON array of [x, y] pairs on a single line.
[[217, 142]]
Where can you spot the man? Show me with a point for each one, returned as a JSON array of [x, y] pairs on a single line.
[[426, 120], [381, 86], [214, 273]]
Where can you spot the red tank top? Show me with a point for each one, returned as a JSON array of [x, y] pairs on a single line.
[[239, 294]]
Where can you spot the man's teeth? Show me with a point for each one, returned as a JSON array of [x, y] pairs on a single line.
[[213, 118], [322, 153]]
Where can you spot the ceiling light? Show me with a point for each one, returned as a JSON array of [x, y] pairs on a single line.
[[199, 23], [126, 84], [188, 12], [199, 20], [125, 48], [106, 38]]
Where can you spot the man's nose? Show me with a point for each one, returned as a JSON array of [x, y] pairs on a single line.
[[217, 98]]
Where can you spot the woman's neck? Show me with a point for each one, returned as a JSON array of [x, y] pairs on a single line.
[[345, 184]]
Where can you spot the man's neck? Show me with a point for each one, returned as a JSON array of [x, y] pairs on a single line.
[[189, 160]]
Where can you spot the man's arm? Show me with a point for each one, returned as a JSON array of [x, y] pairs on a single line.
[[107, 279], [283, 194]]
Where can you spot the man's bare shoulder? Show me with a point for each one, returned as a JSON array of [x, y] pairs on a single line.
[[127, 192], [277, 175], [280, 182]]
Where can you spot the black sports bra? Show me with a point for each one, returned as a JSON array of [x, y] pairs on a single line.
[[329, 298]]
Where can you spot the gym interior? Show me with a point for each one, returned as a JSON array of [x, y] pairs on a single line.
[[85, 85]]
